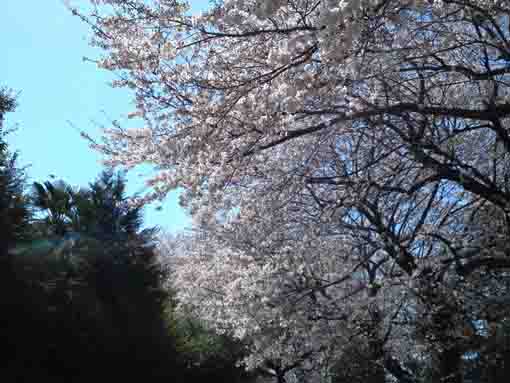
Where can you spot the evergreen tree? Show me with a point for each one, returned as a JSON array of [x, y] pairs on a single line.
[[111, 272], [7, 103], [14, 212], [19, 304]]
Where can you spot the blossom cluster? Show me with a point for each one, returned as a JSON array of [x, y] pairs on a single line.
[[336, 150]]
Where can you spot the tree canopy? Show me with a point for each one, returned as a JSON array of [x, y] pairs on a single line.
[[347, 161], [83, 294]]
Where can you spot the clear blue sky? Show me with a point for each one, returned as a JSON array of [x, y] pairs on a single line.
[[42, 50]]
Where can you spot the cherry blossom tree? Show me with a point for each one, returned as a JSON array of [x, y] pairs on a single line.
[[350, 160]]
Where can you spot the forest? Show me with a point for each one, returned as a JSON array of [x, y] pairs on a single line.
[[346, 164]]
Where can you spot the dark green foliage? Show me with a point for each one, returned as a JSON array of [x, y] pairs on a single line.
[[14, 209], [208, 356], [88, 301], [7, 103], [14, 212], [104, 283], [16, 319], [58, 203], [105, 212]]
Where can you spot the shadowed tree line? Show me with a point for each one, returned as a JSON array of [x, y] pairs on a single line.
[[81, 291]]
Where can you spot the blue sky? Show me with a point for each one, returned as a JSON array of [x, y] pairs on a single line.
[[43, 47]]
